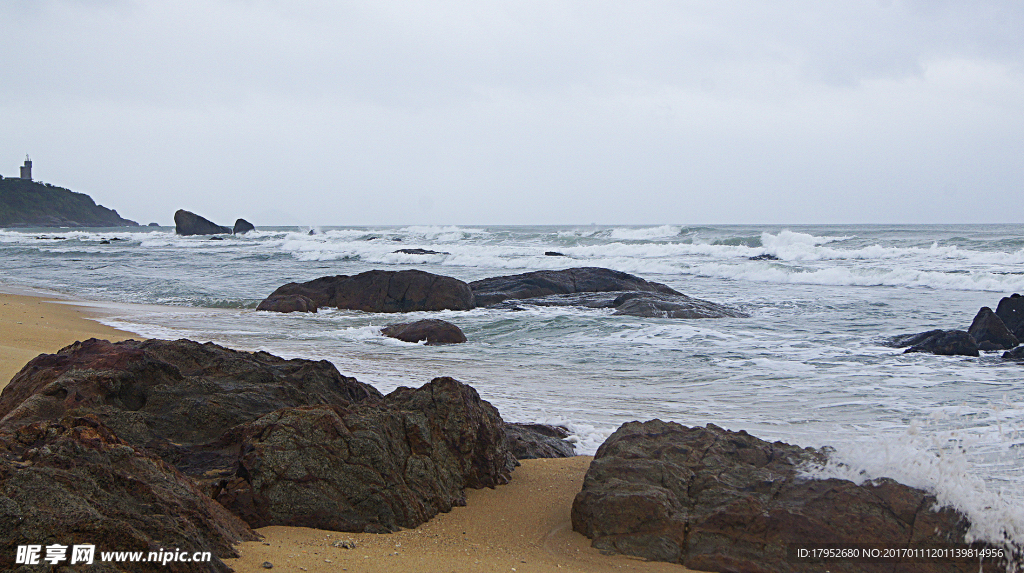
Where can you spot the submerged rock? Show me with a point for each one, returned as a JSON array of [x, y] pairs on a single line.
[[942, 342], [543, 283], [72, 481], [420, 252], [632, 303], [385, 291], [989, 331], [188, 223], [431, 330], [764, 257], [716, 500]]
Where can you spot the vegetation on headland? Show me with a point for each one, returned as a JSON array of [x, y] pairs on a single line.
[[25, 203]]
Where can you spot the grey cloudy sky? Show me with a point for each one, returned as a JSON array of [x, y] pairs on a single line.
[[477, 112]]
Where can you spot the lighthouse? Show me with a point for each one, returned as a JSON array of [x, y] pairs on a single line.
[[26, 169]]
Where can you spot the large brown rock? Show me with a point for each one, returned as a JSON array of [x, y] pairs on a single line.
[[431, 330], [715, 500], [371, 467], [73, 481], [532, 441], [543, 283], [188, 223], [989, 331], [385, 291], [173, 397]]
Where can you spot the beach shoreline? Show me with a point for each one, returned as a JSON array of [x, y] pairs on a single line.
[[523, 526]]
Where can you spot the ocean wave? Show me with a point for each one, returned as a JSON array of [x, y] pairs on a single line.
[[644, 234]]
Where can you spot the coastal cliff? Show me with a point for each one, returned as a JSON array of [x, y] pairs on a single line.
[[25, 203]]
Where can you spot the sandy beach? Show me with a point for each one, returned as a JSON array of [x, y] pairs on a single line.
[[523, 526]]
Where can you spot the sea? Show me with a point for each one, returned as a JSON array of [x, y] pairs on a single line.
[[809, 366]]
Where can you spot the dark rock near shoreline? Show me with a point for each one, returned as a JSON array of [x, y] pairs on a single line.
[[1011, 312], [942, 342], [532, 441], [73, 481], [543, 283], [715, 500], [278, 442], [172, 397], [989, 331], [385, 291], [242, 226], [420, 252], [288, 303], [374, 468], [431, 330], [188, 223]]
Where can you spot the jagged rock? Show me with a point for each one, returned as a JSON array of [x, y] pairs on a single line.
[[1017, 354], [1011, 312], [188, 223], [372, 467], [385, 291], [715, 500], [531, 441], [420, 252], [990, 333], [432, 330], [764, 257], [242, 226], [543, 283], [173, 397], [288, 303], [943, 342], [73, 481]]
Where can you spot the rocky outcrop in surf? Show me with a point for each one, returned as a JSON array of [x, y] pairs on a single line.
[[588, 287], [569, 281], [242, 226], [532, 441], [429, 330], [989, 331], [188, 223], [385, 291], [716, 500], [288, 303], [942, 342], [285, 442]]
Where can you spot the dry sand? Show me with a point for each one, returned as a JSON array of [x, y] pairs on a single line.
[[33, 325], [522, 527]]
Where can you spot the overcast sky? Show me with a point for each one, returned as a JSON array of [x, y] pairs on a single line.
[[547, 112]]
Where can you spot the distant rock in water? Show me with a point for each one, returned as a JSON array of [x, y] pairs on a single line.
[[644, 304], [385, 291], [716, 500], [542, 283], [26, 203], [942, 342], [420, 252], [764, 257], [242, 226], [554, 254], [990, 332], [153, 225], [188, 223], [431, 330]]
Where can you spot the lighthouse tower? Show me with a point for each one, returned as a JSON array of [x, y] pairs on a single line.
[[26, 169]]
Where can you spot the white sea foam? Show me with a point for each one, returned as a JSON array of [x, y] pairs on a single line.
[[645, 234], [938, 462]]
